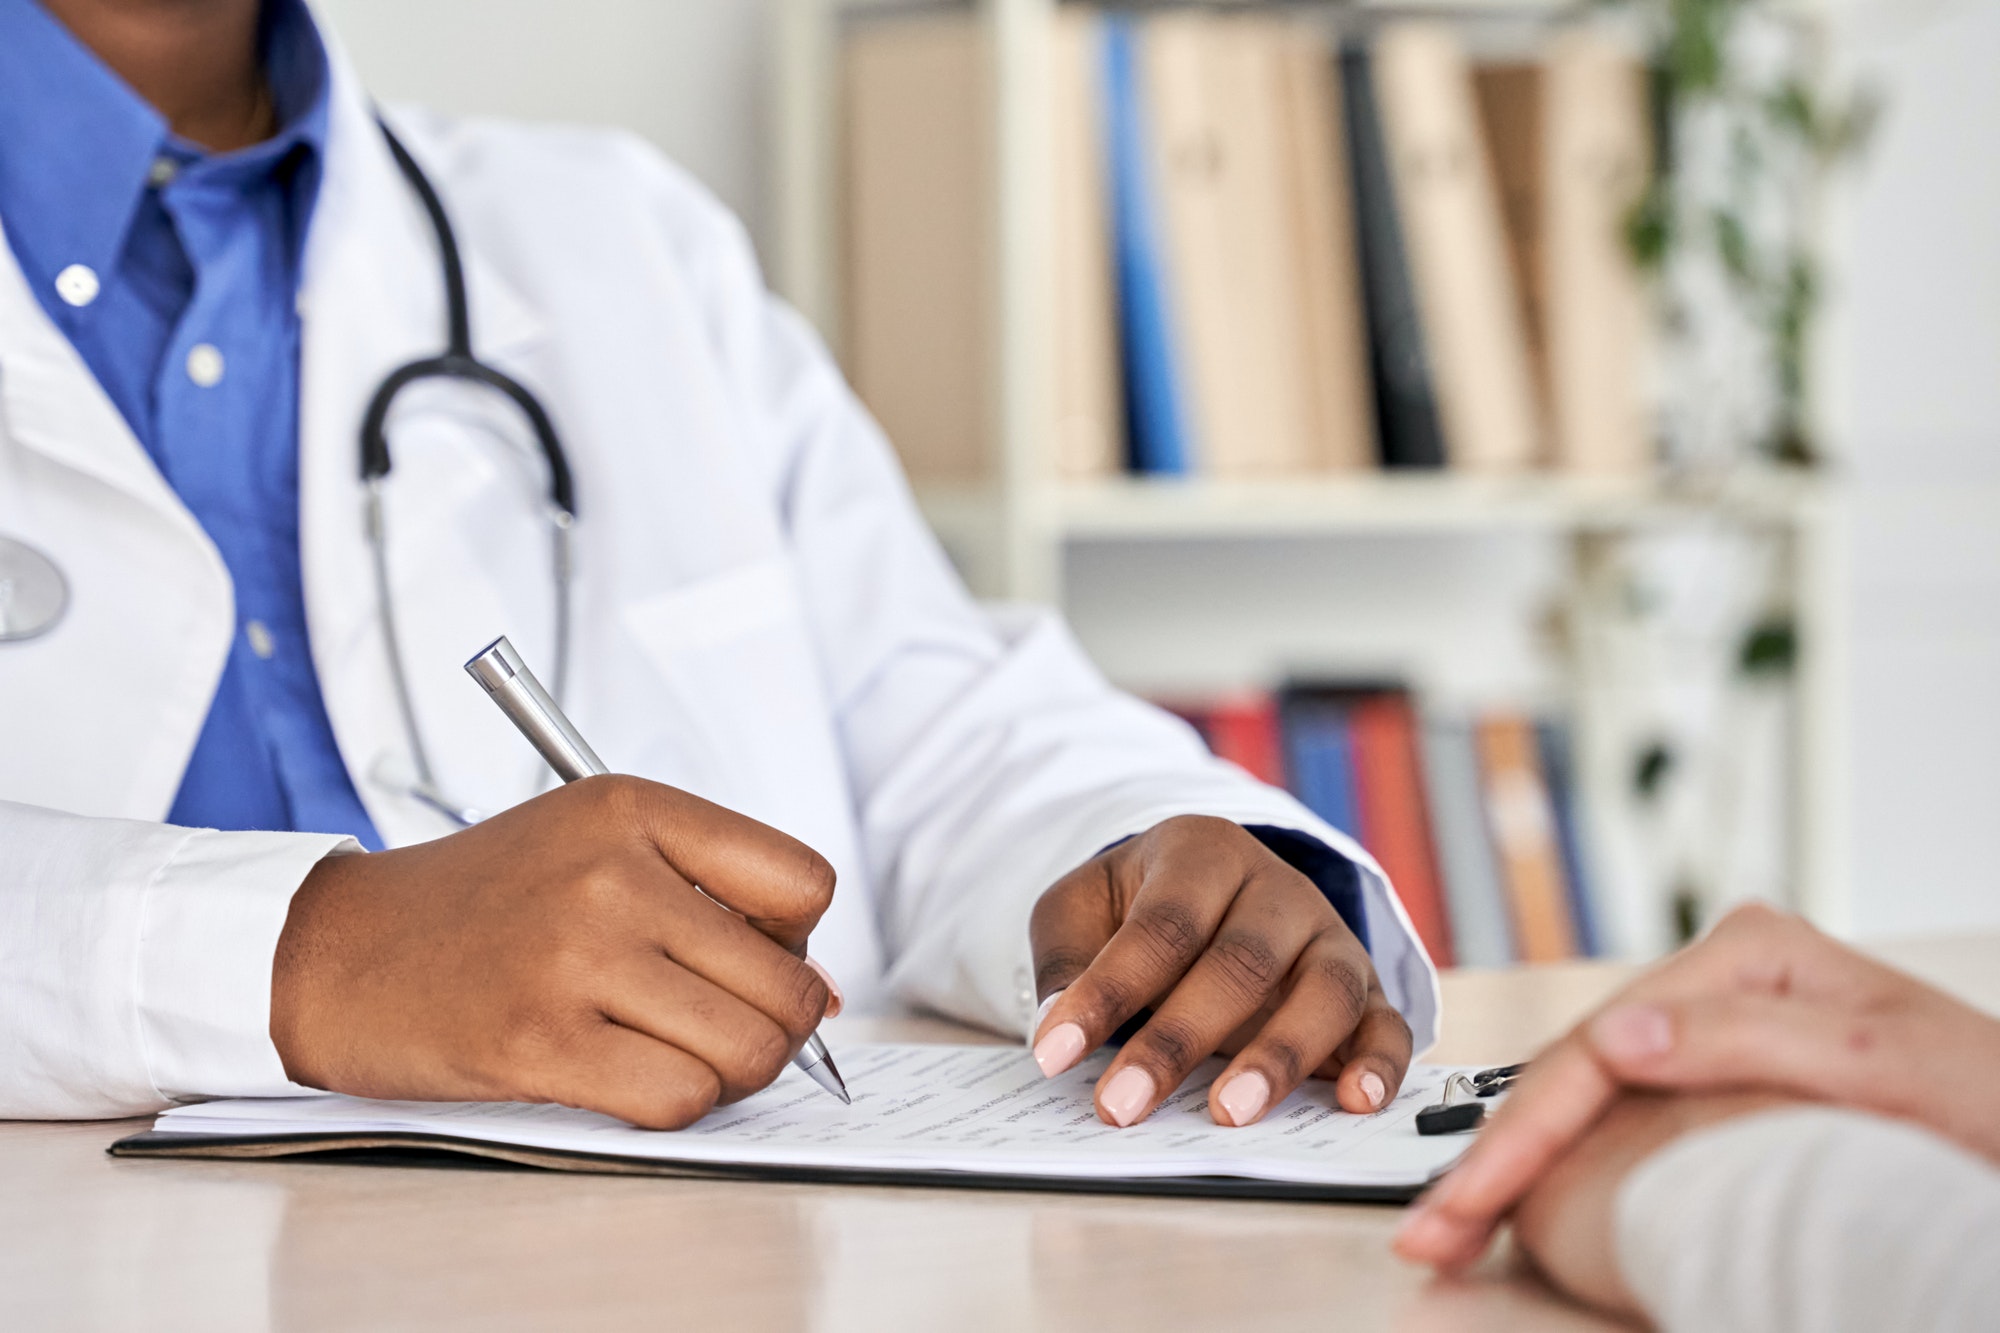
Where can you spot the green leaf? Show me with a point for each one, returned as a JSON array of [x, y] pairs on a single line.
[[1771, 648], [1649, 228], [1732, 243], [1650, 773]]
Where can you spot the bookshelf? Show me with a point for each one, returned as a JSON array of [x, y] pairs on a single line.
[[1014, 533]]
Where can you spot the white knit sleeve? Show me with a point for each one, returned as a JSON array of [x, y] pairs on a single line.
[[1813, 1219]]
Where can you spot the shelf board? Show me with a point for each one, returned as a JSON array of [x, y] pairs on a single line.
[[1134, 508]]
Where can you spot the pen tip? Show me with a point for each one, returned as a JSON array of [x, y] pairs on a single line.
[[827, 1075]]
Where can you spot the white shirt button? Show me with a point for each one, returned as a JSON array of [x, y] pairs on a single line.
[[161, 174], [78, 285], [205, 365], [261, 642]]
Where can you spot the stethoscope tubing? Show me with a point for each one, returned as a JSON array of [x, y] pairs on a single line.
[[456, 362]]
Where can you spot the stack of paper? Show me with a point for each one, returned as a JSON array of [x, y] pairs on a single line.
[[980, 1113]]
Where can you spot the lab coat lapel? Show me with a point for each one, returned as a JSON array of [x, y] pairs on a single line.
[[373, 300], [55, 406]]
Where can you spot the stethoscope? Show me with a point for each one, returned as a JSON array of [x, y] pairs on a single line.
[[456, 362], [34, 594]]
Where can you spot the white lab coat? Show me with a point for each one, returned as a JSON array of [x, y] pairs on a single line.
[[762, 618]]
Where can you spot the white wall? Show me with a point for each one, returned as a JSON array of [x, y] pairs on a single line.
[[687, 74], [1913, 401], [1912, 393]]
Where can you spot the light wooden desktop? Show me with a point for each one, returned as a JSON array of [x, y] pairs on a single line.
[[88, 1242]]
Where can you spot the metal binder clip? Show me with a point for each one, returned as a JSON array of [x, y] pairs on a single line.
[[1461, 1108], [1459, 1111]]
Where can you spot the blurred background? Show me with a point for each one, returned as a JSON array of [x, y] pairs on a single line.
[[1561, 441]]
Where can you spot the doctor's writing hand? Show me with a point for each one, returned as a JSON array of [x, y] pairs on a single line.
[[1764, 1004], [1234, 951], [559, 952]]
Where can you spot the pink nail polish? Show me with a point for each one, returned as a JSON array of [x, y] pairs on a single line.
[[1244, 1097], [1062, 1048], [1374, 1089], [1128, 1094], [1633, 1032], [835, 1001]]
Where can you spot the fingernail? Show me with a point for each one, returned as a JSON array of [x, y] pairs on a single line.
[[1128, 1094], [835, 1000], [1374, 1089], [1059, 1050], [1041, 1016], [1244, 1097], [1633, 1032]]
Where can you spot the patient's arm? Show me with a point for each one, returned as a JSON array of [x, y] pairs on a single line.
[[1764, 1004], [1725, 1212]]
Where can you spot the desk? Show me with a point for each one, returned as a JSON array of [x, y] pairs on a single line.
[[91, 1243]]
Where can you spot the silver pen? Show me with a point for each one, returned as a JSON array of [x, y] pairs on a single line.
[[521, 697]]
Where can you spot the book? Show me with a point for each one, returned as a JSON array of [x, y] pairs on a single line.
[[919, 163], [1084, 370], [1525, 836], [1598, 152], [1482, 933], [1559, 773], [1159, 428], [1215, 104], [1449, 210], [1394, 814], [1319, 755], [920, 241], [1510, 110], [943, 1115], [1340, 409], [1409, 432], [1244, 729]]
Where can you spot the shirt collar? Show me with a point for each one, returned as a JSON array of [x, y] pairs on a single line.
[[77, 144]]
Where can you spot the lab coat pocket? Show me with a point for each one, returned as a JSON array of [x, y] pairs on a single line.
[[744, 720]]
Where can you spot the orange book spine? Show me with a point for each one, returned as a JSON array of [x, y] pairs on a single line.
[[1395, 817], [1523, 822]]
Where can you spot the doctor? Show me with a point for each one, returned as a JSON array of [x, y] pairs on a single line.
[[231, 859]]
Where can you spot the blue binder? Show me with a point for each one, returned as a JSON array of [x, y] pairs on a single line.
[[1156, 405]]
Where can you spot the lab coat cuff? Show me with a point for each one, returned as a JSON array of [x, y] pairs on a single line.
[[1375, 914], [212, 918]]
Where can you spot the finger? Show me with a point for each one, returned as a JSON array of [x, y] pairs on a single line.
[[1754, 949], [722, 948], [622, 1073], [1253, 951], [1070, 926], [1566, 1092], [1760, 1042], [655, 996], [780, 885], [1375, 1060], [1326, 1000], [1562, 1095], [1173, 916]]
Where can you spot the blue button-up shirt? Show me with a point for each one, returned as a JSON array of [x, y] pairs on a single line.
[[175, 272]]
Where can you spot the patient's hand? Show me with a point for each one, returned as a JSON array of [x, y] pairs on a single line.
[[1567, 1224], [1764, 1003], [1234, 951], [559, 952]]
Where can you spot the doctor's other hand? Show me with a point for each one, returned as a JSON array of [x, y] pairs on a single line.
[[559, 952], [1764, 1004], [1234, 951]]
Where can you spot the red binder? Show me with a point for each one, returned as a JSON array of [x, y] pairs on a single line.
[[1395, 818]]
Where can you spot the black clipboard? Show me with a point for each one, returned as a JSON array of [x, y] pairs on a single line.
[[440, 1150]]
